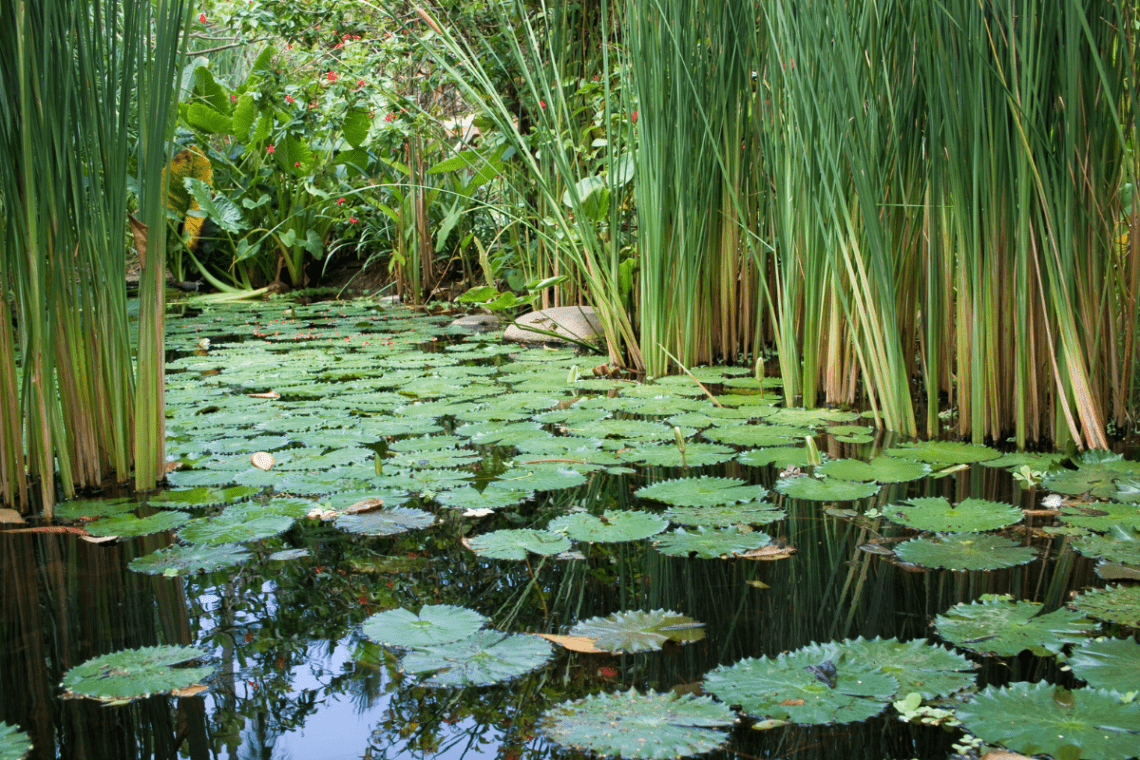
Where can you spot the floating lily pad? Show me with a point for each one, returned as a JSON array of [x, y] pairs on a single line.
[[128, 525], [489, 498], [779, 456], [288, 555], [613, 526], [805, 686], [965, 551], [943, 453], [667, 455], [1004, 628], [385, 522], [202, 496], [481, 659], [134, 673], [14, 743], [929, 670], [880, 469], [181, 560], [1112, 664], [78, 509], [638, 726], [751, 513], [1041, 718], [1120, 544], [757, 435], [638, 631], [234, 528], [515, 544], [935, 513], [1098, 473], [435, 624], [1101, 516], [542, 478], [709, 543], [825, 489], [700, 492], [1116, 604]]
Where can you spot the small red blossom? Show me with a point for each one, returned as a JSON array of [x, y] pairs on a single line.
[[313, 104], [296, 164], [542, 104], [353, 220], [607, 672], [360, 82], [289, 99], [338, 46], [340, 201], [233, 98], [289, 46], [633, 117], [201, 18], [270, 149], [390, 117], [331, 76]]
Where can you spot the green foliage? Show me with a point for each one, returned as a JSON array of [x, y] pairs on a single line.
[[184, 559], [481, 659], [935, 513], [14, 744], [632, 632], [435, 624], [134, 673], [1004, 628], [710, 543], [965, 551], [612, 526]]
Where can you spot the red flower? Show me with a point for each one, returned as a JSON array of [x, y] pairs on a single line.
[[338, 46], [633, 117], [340, 201], [331, 77], [542, 104], [390, 117], [296, 164], [289, 46], [352, 220], [233, 98], [270, 149], [607, 672], [289, 98], [201, 18], [360, 82]]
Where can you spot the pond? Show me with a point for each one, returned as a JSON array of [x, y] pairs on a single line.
[[371, 519]]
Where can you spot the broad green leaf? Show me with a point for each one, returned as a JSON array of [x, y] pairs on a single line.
[[757, 435], [701, 492], [709, 543], [134, 673], [481, 659], [1121, 544], [14, 743], [881, 469], [193, 558], [385, 522], [824, 489], [668, 455], [965, 551], [203, 118], [920, 667], [435, 624], [355, 127], [515, 544], [1004, 628], [613, 526], [934, 513], [751, 513], [637, 631], [128, 525], [225, 213], [943, 453], [1115, 604], [1112, 664], [1101, 516], [78, 509], [638, 726], [234, 528]]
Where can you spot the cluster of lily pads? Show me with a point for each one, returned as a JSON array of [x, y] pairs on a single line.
[[370, 419]]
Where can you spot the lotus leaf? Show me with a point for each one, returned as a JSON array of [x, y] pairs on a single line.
[[639, 726], [881, 469], [779, 456], [426, 443], [203, 497], [1041, 718], [385, 522], [637, 631], [128, 525], [515, 544], [1101, 516], [943, 453], [756, 435], [710, 543], [825, 489], [637, 430], [181, 560], [701, 492], [791, 687], [1116, 604], [929, 670], [435, 624], [488, 498], [481, 659], [965, 551], [502, 435], [667, 455], [78, 509], [613, 526], [234, 528], [542, 477], [935, 513], [1112, 664], [134, 673], [14, 743], [752, 513], [1120, 545], [1002, 628]]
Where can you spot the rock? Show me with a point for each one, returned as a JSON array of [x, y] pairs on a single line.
[[578, 322], [476, 323]]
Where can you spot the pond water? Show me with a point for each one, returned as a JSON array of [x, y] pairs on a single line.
[[288, 581]]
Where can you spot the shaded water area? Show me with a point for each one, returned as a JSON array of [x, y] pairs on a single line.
[[363, 393]]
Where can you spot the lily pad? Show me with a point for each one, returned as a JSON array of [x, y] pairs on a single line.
[[805, 686], [929, 670], [234, 528], [435, 624], [1120, 544], [481, 659], [1101, 516], [78, 509], [202, 496], [751, 513], [710, 543], [944, 453], [1040, 718], [965, 551], [825, 489], [1098, 473], [638, 726], [778, 456], [1003, 628], [385, 522], [667, 455], [935, 513], [288, 555], [194, 558], [542, 478], [701, 492], [757, 435], [637, 631], [515, 544], [1116, 604], [128, 525], [880, 469], [134, 673], [489, 498], [613, 526], [1112, 664], [14, 743]]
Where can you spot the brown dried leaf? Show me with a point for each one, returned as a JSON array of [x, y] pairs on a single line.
[[11, 516], [192, 690], [267, 394], [262, 460], [791, 703], [98, 539], [172, 466], [365, 505], [770, 552], [582, 644]]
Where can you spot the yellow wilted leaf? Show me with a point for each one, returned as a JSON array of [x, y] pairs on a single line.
[[582, 644], [193, 164]]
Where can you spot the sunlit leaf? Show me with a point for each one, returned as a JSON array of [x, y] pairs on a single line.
[[516, 544], [1004, 628], [965, 551], [935, 513], [825, 489], [481, 659], [709, 543], [613, 526], [1115, 604], [194, 558], [134, 673], [638, 631], [385, 522], [435, 624], [701, 491]]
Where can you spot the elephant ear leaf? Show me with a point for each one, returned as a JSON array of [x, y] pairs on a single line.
[[205, 119], [356, 126], [221, 209]]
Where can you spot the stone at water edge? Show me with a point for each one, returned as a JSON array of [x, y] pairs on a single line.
[[578, 322], [477, 323]]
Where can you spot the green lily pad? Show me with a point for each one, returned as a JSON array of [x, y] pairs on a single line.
[[288, 555], [965, 551], [1098, 473], [79, 509], [202, 496], [814, 685], [1101, 516], [1112, 664], [937, 514], [943, 453], [667, 455], [613, 526], [825, 489], [385, 522], [234, 528], [1041, 718], [489, 498], [701, 492], [779, 456], [638, 726], [637, 631], [757, 435], [14, 743], [709, 543], [134, 673], [515, 544], [194, 558], [929, 670], [1116, 604], [542, 478], [751, 513], [1120, 544], [128, 525], [435, 624], [880, 469], [1002, 628], [481, 659]]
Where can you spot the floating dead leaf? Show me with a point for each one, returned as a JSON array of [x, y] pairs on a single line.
[[758, 584], [262, 460], [481, 512], [770, 552], [1003, 755], [466, 544], [170, 467], [98, 539], [51, 529], [320, 513], [792, 703], [1041, 512], [11, 516], [192, 690], [267, 394], [582, 644], [365, 505]]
